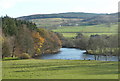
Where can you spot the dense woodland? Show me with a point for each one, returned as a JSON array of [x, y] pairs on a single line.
[[24, 40]]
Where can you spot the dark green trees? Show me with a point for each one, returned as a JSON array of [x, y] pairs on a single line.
[[9, 26]]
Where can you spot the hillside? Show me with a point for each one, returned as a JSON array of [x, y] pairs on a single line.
[[53, 21], [61, 15]]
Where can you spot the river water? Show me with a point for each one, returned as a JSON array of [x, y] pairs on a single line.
[[76, 54]]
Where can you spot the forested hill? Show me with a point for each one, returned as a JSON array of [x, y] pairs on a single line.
[[81, 15], [24, 40], [72, 19], [60, 15]]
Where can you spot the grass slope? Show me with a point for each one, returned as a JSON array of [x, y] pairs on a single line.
[[88, 18], [70, 35], [92, 29], [71, 31], [59, 69], [62, 25]]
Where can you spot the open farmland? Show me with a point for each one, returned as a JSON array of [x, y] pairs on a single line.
[[59, 69]]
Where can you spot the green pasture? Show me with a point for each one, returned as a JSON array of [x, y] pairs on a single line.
[[50, 22], [103, 29], [89, 29], [70, 35], [59, 69]]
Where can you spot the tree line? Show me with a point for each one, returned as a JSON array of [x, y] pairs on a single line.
[[97, 45]]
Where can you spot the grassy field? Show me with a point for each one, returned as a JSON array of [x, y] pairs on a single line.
[[70, 35], [71, 31], [59, 69], [49, 22], [94, 28], [54, 25]]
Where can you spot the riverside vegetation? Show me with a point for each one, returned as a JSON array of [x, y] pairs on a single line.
[[23, 39], [95, 44]]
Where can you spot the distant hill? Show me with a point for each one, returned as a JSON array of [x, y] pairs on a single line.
[[61, 15], [81, 15], [70, 19]]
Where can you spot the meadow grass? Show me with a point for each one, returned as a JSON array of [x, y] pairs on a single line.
[[49, 22], [59, 69], [102, 29], [70, 35], [92, 29], [11, 58]]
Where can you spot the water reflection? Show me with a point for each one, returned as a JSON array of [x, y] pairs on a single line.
[[76, 54]]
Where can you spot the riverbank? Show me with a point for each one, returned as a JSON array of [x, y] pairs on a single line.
[[59, 69], [90, 52]]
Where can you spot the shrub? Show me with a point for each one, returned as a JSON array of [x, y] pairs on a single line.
[[89, 52], [24, 56]]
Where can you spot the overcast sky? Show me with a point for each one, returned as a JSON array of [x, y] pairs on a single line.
[[17, 8]]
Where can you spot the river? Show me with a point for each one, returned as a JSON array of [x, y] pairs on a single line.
[[75, 54]]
